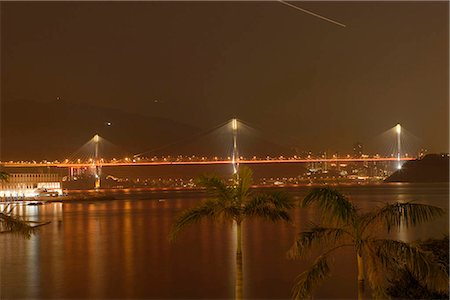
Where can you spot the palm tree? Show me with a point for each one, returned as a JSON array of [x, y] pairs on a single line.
[[343, 225], [11, 223], [235, 203]]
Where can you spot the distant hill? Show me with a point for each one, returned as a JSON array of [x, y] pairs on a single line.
[[431, 168], [55, 130], [34, 130]]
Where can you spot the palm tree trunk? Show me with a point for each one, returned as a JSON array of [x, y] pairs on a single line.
[[239, 272], [360, 276]]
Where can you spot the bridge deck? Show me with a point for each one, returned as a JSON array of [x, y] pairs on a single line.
[[205, 162]]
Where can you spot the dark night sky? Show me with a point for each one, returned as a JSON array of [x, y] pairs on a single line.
[[263, 62]]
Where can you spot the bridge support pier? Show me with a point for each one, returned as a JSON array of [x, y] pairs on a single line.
[[97, 177], [71, 170]]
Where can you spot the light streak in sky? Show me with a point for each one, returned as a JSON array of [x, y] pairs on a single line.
[[313, 14]]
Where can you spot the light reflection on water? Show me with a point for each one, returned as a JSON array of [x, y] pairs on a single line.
[[120, 249]]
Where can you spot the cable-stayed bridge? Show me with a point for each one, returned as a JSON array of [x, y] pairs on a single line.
[[91, 156]]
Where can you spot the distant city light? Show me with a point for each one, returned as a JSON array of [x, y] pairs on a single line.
[[398, 128]]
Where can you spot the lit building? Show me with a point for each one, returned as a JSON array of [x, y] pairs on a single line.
[[30, 185]]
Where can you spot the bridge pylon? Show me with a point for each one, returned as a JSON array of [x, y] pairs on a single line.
[[95, 162], [398, 129], [235, 154]]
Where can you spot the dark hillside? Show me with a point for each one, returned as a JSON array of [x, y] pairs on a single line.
[[431, 168]]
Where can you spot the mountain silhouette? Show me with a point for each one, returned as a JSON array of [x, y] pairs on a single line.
[[54, 130]]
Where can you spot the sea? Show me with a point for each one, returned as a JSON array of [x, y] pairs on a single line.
[[119, 248]]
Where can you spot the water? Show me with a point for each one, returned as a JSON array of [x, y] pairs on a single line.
[[120, 249]]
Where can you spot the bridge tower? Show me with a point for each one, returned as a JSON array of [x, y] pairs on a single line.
[[95, 165], [398, 130], [235, 155]]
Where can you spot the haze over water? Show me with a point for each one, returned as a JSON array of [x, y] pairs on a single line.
[[120, 249]]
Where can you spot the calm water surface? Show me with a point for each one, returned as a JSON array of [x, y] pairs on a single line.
[[119, 249]]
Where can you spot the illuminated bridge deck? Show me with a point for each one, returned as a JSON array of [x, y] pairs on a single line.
[[204, 162]]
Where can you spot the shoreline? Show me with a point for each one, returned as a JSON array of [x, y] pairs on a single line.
[[159, 193]]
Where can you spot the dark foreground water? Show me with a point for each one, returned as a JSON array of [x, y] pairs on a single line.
[[119, 249]]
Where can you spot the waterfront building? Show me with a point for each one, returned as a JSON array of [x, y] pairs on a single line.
[[27, 185]]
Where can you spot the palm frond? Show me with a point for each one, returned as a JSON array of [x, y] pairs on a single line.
[[309, 279], [334, 205], [15, 225], [9, 208], [407, 214], [272, 206], [208, 209], [422, 264], [280, 200], [377, 266], [316, 235], [216, 187]]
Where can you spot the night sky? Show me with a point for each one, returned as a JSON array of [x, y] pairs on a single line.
[[201, 63]]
